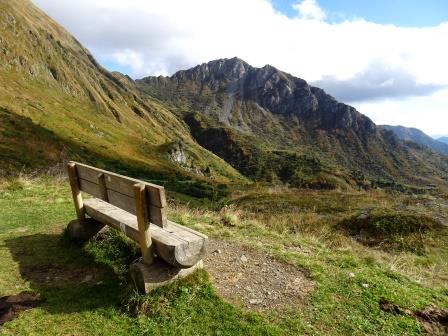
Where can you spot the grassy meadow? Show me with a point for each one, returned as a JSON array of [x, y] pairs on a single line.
[[343, 239]]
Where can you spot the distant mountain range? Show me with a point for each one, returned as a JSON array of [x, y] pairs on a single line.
[[443, 139], [418, 136], [219, 122]]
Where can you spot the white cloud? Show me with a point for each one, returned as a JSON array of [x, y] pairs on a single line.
[[163, 36], [430, 114], [309, 10]]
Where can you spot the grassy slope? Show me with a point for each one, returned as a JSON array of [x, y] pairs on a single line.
[[34, 215], [73, 108]]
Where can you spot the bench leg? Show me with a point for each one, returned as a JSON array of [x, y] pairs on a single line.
[[143, 223], [146, 277]]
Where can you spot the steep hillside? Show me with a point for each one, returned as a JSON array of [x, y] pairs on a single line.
[[417, 136], [58, 103], [272, 125]]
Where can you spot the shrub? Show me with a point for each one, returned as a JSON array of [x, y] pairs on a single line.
[[392, 230]]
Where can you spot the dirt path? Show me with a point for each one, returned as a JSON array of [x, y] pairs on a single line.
[[253, 278]]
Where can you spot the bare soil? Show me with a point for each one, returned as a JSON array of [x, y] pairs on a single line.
[[255, 279], [11, 306], [433, 319]]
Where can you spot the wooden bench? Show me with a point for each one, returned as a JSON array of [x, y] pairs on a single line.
[[136, 208]]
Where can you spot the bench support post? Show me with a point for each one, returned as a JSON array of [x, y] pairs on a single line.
[[146, 278], [143, 223], [76, 192]]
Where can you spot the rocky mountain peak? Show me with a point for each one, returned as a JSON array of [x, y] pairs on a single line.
[[236, 83], [219, 70]]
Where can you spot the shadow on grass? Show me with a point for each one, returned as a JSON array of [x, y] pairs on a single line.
[[66, 276]]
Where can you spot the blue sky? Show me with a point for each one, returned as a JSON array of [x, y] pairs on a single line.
[[407, 13]]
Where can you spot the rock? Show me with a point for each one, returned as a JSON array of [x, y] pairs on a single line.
[[88, 278], [177, 153], [365, 285], [216, 252], [255, 302], [243, 258], [351, 275]]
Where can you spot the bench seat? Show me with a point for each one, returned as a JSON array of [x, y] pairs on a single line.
[[178, 245]]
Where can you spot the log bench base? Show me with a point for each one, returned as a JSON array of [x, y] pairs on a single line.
[[82, 232], [145, 277]]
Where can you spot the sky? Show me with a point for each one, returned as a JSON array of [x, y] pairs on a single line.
[[387, 58]]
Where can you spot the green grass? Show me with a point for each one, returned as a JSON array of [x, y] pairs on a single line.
[[349, 277]]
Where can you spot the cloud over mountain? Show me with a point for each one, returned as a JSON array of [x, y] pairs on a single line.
[[377, 82], [160, 37]]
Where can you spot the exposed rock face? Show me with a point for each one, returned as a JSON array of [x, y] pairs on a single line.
[[241, 112], [177, 153], [235, 81]]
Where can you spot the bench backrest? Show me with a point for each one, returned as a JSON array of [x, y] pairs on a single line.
[[118, 190]]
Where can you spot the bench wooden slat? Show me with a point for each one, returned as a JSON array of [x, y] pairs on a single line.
[[177, 245], [122, 201], [122, 184], [89, 187], [156, 215]]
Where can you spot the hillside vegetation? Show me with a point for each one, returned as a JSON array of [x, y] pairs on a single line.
[[85, 288], [58, 103], [293, 188]]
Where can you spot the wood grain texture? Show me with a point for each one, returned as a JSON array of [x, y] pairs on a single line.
[[76, 192], [141, 211], [179, 246], [122, 184], [102, 187], [99, 185]]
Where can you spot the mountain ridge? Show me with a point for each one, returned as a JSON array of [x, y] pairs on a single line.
[[443, 139], [417, 136], [262, 111]]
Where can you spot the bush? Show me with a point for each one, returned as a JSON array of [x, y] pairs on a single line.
[[392, 230]]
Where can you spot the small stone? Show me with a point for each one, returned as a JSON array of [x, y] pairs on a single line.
[[216, 252], [254, 301], [88, 278], [243, 258], [351, 275], [365, 285]]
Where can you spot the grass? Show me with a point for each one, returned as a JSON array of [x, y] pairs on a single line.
[[350, 277], [395, 230]]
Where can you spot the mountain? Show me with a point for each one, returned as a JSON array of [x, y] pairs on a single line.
[[57, 103], [271, 125], [417, 136], [220, 122], [443, 139]]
